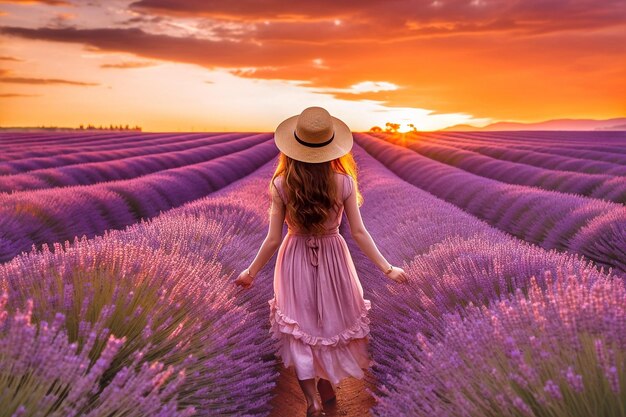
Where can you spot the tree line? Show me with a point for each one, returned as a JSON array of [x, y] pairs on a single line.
[[392, 128], [110, 127]]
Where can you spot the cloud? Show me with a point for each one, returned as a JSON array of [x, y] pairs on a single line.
[[26, 80], [129, 65], [442, 55], [6, 77], [16, 95], [401, 16], [10, 58], [362, 88], [182, 49], [48, 2], [246, 9], [65, 16]]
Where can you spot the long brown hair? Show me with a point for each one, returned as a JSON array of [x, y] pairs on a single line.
[[311, 189]]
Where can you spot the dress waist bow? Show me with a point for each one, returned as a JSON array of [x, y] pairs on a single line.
[[313, 254]]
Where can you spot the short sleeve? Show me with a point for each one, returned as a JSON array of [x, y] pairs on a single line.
[[278, 185], [348, 186], [277, 205]]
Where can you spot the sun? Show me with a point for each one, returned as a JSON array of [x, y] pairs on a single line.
[[404, 127]]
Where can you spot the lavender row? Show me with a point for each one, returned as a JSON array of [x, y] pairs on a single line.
[[577, 140], [592, 148], [604, 187], [50, 159], [45, 216], [594, 228], [30, 140], [165, 286], [126, 168], [533, 156], [589, 154], [77, 142], [453, 260], [611, 142], [538, 159]]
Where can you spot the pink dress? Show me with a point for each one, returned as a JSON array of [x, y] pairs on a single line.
[[318, 314]]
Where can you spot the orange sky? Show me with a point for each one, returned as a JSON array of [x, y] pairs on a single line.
[[246, 64]]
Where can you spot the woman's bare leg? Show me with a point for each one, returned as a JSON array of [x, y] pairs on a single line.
[[325, 389], [308, 388]]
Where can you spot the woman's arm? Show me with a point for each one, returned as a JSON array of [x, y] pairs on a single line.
[[274, 234], [360, 234], [365, 242]]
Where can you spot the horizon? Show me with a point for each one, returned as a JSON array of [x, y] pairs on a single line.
[[247, 66], [584, 125]]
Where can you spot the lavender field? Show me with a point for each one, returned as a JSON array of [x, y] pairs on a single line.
[[118, 253]]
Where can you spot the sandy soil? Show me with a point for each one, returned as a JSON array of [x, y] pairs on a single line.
[[352, 398]]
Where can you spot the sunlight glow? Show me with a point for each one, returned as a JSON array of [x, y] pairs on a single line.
[[372, 87], [404, 127]]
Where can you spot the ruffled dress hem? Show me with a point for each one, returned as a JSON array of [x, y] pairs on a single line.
[[332, 358], [281, 323]]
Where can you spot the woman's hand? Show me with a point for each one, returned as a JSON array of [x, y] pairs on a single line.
[[398, 275], [244, 279]]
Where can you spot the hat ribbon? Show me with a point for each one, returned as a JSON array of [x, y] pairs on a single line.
[[313, 145]]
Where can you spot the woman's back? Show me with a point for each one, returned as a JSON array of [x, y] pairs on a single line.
[[344, 189]]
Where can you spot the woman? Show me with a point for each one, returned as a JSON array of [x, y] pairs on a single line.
[[318, 313]]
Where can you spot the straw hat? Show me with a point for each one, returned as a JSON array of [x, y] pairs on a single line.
[[313, 136]]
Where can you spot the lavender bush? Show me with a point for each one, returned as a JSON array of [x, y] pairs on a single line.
[[555, 352], [43, 374], [163, 305], [547, 218]]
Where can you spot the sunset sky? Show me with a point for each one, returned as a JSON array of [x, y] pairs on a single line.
[[245, 65]]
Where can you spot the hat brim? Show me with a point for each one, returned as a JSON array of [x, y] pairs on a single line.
[[286, 142]]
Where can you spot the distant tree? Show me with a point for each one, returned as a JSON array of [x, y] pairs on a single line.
[[412, 126], [82, 127], [392, 127], [376, 129]]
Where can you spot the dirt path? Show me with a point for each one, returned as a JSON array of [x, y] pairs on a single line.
[[352, 398]]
